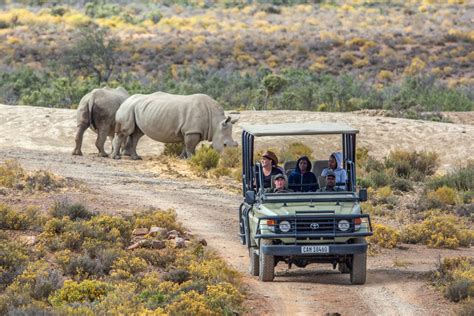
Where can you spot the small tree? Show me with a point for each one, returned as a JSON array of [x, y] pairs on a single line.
[[272, 84], [93, 53]]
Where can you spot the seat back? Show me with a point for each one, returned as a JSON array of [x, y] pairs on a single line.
[[321, 181], [289, 167], [318, 166]]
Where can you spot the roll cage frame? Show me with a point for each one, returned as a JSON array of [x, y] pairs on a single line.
[[252, 176]]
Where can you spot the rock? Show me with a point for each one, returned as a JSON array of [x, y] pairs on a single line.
[[179, 243], [140, 231], [158, 231], [202, 242], [158, 244], [173, 234], [134, 246]]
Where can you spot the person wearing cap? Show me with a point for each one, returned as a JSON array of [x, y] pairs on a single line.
[[279, 184], [330, 183], [335, 164], [269, 167], [302, 179]]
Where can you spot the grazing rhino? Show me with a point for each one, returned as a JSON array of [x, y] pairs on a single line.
[[169, 118], [97, 110]]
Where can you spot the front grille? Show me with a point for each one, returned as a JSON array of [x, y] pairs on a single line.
[[314, 225]]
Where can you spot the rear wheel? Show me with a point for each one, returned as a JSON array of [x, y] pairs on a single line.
[[359, 265], [254, 261], [267, 263], [343, 267]]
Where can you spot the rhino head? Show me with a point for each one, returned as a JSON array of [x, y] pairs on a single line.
[[223, 135]]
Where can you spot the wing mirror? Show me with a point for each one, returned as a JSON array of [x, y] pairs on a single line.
[[250, 197], [363, 195]]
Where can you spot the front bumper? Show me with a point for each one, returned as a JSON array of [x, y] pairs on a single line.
[[296, 250]]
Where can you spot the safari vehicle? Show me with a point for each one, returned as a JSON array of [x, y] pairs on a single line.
[[303, 227]]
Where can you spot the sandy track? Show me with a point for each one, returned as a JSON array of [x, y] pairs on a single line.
[[124, 186]]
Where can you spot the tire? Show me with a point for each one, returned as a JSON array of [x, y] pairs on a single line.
[[267, 263], [359, 266], [254, 262], [241, 225]]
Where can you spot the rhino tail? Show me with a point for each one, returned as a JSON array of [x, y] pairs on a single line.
[[91, 108]]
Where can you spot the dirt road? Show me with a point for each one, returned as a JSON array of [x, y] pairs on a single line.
[[396, 284]]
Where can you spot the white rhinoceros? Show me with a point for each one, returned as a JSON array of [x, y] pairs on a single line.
[[97, 110], [170, 118]]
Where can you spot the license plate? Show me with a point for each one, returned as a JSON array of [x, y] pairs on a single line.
[[314, 249]]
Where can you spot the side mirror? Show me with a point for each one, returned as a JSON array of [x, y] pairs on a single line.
[[363, 195], [250, 197]]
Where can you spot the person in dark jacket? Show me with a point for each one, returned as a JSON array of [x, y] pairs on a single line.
[[302, 179]]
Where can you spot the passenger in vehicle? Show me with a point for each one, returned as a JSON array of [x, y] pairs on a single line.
[[335, 164], [302, 179], [269, 168], [331, 183], [279, 184]]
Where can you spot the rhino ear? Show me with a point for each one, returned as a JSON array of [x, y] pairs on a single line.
[[226, 121]]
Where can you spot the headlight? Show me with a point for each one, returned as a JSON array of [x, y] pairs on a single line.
[[285, 226], [343, 225]]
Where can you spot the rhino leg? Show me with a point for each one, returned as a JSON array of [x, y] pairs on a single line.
[[119, 139], [79, 135], [127, 149], [132, 144], [100, 142], [190, 143]]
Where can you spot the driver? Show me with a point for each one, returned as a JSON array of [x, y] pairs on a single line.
[[279, 184]]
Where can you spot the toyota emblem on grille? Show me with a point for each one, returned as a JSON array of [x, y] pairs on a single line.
[[314, 225]]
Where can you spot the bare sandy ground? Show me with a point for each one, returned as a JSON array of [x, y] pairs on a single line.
[[54, 130], [42, 138]]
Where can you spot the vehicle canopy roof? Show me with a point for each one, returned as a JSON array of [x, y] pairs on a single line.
[[305, 128]]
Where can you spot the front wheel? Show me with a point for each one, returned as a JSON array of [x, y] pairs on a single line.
[[359, 266], [267, 263], [254, 262]]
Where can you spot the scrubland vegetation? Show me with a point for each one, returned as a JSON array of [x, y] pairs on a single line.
[[73, 261], [408, 57]]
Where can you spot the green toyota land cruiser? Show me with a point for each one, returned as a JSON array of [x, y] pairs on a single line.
[[303, 227]]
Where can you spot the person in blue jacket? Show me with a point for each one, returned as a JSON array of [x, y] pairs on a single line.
[[302, 179]]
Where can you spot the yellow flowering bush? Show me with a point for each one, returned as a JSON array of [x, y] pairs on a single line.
[[443, 231], [384, 236]]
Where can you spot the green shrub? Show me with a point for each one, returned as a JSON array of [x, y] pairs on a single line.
[[205, 158], [13, 259], [443, 231], [173, 149], [152, 299], [87, 291], [406, 163], [231, 157], [74, 211], [84, 266], [455, 276], [379, 179], [459, 290], [461, 179], [401, 184], [176, 276], [38, 281]]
